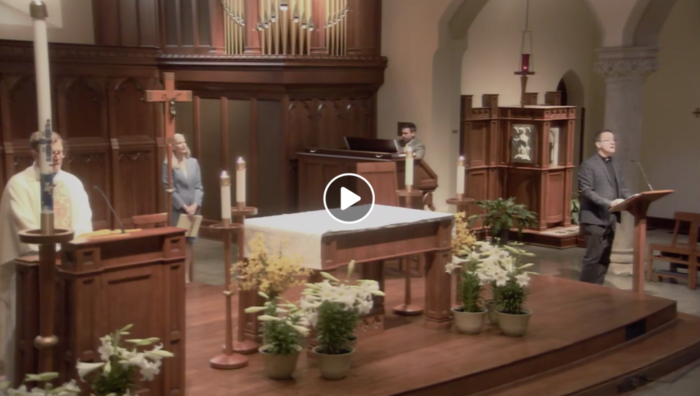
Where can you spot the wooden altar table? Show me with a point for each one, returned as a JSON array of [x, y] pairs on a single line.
[[387, 233]]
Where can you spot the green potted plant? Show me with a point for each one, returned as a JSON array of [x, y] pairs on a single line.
[[469, 316], [333, 308], [575, 210], [501, 215], [283, 327]]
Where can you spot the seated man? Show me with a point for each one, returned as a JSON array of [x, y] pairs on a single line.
[[20, 209], [408, 134]]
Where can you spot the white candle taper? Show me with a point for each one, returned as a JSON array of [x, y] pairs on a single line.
[[460, 177], [225, 196], [240, 182], [41, 63], [409, 168]]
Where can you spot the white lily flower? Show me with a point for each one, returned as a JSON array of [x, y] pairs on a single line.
[[86, 368]]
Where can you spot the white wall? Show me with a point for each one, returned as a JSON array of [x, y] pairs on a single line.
[[564, 37], [410, 41], [69, 21], [671, 134]]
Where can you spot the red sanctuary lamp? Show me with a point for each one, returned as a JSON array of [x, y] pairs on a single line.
[[526, 63]]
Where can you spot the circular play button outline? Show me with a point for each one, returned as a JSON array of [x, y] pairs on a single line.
[[325, 204]]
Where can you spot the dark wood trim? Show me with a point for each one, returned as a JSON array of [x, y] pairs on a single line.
[[286, 185], [195, 24], [253, 186], [582, 138], [197, 126], [224, 135]]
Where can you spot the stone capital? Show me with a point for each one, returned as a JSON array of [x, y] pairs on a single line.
[[622, 62]]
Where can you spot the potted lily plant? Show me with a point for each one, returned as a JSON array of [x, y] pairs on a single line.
[[333, 308], [501, 215], [115, 375], [469, 316], [496, 266], [283, 327]]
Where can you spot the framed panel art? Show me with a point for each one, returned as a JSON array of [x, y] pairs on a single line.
[[522, 145]]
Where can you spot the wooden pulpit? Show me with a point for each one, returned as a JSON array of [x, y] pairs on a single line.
[[103, 284], [637, 205]]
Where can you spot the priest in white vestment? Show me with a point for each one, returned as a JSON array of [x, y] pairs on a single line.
[[20, 209]]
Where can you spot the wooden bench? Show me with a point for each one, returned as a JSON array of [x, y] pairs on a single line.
[[679, 255]]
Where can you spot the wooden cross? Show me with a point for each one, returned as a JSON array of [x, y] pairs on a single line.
[[696, 113], [169, 96]]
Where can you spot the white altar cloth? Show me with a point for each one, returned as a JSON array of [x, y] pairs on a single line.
[[301, 233]]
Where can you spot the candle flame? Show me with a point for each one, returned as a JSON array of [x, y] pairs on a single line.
[[224, 174], [240, 160]]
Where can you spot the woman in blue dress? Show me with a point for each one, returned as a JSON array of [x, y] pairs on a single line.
[[187, 190]]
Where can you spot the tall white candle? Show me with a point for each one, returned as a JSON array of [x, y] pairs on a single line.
[[38, 12], [225, 196], [409, 167], [460, 176], [240, 182]]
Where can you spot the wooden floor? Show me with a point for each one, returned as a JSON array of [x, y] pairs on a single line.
[[573, 325]]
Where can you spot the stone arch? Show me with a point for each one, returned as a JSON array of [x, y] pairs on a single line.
[[646, 29]]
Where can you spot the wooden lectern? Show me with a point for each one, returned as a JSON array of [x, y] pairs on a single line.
[[637, 205], [103, 284]]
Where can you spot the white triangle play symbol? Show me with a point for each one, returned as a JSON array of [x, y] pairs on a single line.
[[347, 198]]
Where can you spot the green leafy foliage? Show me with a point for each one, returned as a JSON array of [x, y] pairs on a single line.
[[470, 289], [504, 214], [511, 297], [575, 210], [279, 336], [118, 380], [336, 326]]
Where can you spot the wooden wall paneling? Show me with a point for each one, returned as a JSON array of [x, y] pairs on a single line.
[[216, 24], [126, 23], [301, 126], [106, 22], [357, 118], [252, 18], [318, 36], [136, 198], [330, 123], [5, 131], [543, 157], [553, 209], [289, 170], [22, 109], [254, 142], [92, 167], [196, 127], [3, 176], [364, 27], [224, 135]]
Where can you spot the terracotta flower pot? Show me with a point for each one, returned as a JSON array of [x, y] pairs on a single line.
[[279, 366], [468, 322], [514, 325], [334, 367], [491, 308]]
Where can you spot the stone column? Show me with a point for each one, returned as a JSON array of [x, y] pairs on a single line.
[[625, 69]]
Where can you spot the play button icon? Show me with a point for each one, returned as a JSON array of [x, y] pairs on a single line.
[[348, 198]]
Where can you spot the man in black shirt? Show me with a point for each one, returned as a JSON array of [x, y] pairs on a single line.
[[601, 187]]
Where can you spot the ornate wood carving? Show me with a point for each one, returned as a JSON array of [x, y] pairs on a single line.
[[494, 167]]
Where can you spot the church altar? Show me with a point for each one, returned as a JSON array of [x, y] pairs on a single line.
[[387, 233]]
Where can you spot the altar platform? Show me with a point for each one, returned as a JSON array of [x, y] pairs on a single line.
[[582, 340]]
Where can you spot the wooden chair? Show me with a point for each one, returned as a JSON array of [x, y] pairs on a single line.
[[678, 254], [148, 221]]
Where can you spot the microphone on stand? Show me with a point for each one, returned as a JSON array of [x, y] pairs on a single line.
[[110, 208], [644, 174]]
